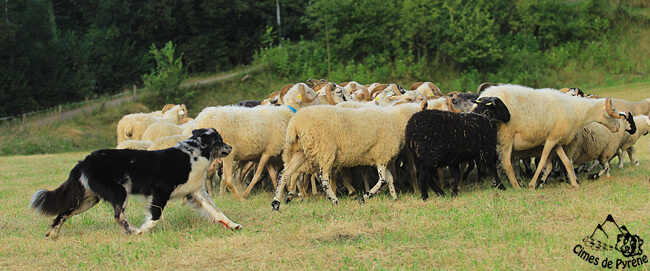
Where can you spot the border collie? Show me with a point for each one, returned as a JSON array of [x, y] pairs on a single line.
[[112, 175]]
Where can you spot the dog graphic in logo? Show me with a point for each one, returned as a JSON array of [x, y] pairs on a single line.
[[609, 235]]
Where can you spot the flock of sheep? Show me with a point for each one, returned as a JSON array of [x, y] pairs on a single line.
[[334, 133]]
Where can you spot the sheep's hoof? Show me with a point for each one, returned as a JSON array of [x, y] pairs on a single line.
[[367, 195], [288, 198], [361, 200], [276, 205], [593, 176], [424, 198], [335, 202], [500, 187]]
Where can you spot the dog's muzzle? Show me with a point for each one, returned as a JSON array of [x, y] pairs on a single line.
[[225, 150]]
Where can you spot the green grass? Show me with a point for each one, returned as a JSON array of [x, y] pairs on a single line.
[[481, 229], [518, 229]]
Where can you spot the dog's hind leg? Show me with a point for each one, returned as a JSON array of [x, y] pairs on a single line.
[[118, 200], [88, 202], [201, 202]]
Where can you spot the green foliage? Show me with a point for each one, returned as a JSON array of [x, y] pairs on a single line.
[[166, 78]]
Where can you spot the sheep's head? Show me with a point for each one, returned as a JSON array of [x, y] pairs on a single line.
[[464, 101], [609, 116], [492, 108], [630, 120], [358, 91], [375, 88], [298, 96], [175, 112], [428, 89], [390, 95], [572, 91]]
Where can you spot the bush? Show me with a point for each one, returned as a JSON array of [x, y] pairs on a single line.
[[166, 78]]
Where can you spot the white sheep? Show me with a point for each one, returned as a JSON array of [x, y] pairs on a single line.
[[330, 136], [134, 145], [132, 126], [359, 92], [635, 108], [254, 133], [428, 89], [161, 129], [330, 93], [167, 142], [595, 142], [546, 117], [627, 144]]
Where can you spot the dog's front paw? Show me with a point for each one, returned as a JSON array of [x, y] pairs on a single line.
[[235, 227]]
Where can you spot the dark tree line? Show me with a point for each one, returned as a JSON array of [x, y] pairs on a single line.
[[55, 51]]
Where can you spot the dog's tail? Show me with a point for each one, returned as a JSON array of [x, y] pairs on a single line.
[[65, 198]]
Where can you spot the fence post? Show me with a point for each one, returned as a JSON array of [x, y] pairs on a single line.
[[23, 120], [60, 112], [135, 94]]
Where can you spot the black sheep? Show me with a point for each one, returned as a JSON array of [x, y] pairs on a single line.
[[248, 103], [441, 138]]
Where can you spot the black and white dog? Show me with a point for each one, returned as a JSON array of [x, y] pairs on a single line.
[[161, 175]]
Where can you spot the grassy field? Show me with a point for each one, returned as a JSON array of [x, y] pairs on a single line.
[[483, 228]]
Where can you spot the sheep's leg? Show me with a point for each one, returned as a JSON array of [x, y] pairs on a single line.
[[568, 165], [314, 188], [620, 154], [409, 163], [506, 163], [290, 168], [547, 171], [470, 167], [391, 173], [604, 162], [548, 147], [605, 170], [381, 169], [325, 178], [455, 173], [365, 175], [441, 176], [632, 153], [228, 177], [493, 169], [425, 180], [293, 184], [346, 174], [273, 173], [303, 185], [258, 173]]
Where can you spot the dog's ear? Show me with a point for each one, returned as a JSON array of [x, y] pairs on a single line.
[[209, 137], [198, 132]]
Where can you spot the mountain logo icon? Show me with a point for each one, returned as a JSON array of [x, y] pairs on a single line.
[[610, 236]]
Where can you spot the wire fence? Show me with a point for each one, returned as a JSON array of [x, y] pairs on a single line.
[[69, 110]]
